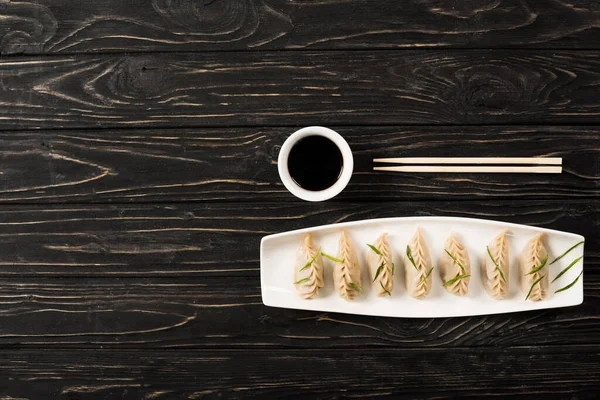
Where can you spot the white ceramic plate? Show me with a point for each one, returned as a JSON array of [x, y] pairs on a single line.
[[278, 252]]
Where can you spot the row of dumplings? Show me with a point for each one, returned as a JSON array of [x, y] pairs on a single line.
[[454, 268]]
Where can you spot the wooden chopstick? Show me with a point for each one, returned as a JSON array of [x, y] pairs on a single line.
[[472, 160], [473, 169]]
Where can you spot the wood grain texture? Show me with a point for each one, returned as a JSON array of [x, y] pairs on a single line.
[[138, 146], [227, 312], [222, 239], [388, 373], [301, 88], [54, 26], [208, 165], [167, 276]]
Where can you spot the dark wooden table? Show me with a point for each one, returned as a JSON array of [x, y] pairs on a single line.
[[138, 174]]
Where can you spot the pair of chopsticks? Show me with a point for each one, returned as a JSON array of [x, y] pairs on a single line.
[[532, 165]]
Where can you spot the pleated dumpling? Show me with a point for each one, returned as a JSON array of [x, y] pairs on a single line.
[[346, 274], [455, 267], [381, 268], [495, 268], [417, 267], [534, 273], [308, 270]]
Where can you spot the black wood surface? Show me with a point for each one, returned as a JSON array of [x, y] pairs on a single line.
[[522, 372], [302, 88], [223, 240], [56, 26], [213, 311], [138, 173], [209, 165]]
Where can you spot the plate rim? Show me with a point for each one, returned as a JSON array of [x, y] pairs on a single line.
[[411, 219], [391, 219]]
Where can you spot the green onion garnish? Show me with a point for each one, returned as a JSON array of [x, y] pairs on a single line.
[[426, 276], [387, 291], [495, 263], [409, 255], [393, 268], [378, 271], [301, 281], [337, 260], [564, 271], [536, 269], [534, 283], [355, 287], [308, 264], [566, 252], [570, 284], [451, 281], [374, 249], [455, 260]]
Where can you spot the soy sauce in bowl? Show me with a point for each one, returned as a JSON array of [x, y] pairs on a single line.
[[315, 163]]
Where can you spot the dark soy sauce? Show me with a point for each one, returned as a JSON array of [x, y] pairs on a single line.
[[315, 163]]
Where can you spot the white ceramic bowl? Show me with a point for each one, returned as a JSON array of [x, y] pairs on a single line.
[[309, 195]]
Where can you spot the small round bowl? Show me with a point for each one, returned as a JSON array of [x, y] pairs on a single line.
[[321, 195]]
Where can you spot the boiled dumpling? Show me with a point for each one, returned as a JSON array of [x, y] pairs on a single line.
[[534, 272], [346, 274], [455, 268], [381, 268], [308, 271], [495, 268], [417, 267]]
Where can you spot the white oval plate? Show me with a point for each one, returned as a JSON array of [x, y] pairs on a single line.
[[278, 252]]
